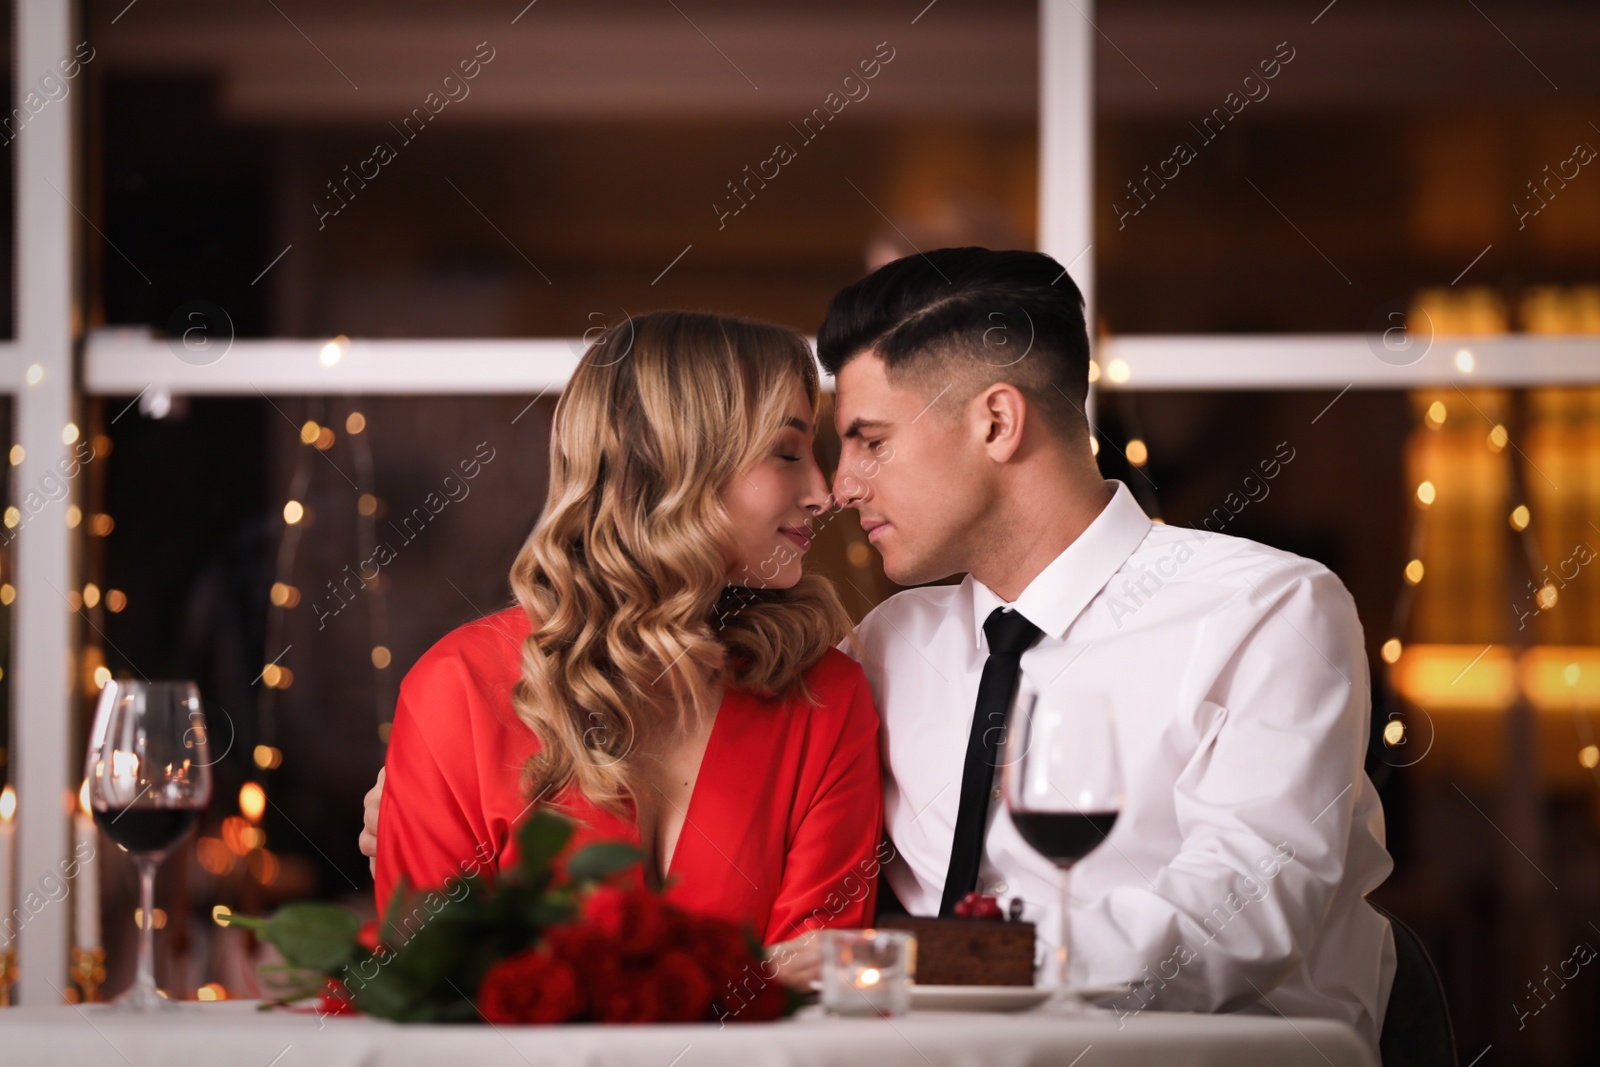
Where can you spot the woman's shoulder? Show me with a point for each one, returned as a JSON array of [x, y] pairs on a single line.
[[479, 659], [838, 686]]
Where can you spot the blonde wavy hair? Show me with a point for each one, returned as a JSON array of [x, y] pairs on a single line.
[[625, 577]]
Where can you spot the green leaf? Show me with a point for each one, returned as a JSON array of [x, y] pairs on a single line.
[[386, 928], [595, 863], [321, 937], [540, 839], [386, 995]]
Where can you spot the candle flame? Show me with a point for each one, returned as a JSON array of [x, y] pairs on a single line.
[[8, 803], [869, 976], [83, 797]]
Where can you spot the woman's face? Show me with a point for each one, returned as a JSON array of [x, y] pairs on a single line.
[[772, 504]]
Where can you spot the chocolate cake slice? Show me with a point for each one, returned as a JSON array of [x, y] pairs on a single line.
[[968, 951]]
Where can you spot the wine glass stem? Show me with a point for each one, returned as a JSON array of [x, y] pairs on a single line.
[[145, 979], [1062, 972]]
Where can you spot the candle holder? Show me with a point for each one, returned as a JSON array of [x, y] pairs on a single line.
[[8, 976], [868, 972], [88, 972]]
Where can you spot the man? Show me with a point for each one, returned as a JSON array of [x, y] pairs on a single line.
[[1235, 877]]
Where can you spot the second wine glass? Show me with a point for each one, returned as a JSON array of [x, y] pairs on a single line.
[[1063, 789]]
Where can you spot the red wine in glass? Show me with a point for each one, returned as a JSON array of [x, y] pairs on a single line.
[[1064, 837], [145, 828]]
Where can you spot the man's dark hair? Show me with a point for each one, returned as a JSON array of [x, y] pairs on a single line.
[[969, 317]]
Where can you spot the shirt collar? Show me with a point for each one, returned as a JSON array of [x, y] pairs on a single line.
[[1059, 592]]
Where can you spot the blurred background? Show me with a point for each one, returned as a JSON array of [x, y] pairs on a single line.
[[305, 171]]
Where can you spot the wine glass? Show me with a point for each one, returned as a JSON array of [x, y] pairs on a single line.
[[149, 773], [1063, 789]]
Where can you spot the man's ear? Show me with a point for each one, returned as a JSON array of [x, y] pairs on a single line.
[[1001, 411]]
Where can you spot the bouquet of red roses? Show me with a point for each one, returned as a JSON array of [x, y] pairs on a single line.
[[585, 942]]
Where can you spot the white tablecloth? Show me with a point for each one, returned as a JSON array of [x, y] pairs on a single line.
[[234, 1033]]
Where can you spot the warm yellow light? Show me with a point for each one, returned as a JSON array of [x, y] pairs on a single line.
[[334, 350], [1589, 756], [276, 677], [1425, 494], [268, 758], [91, 595], [355, 422], [158, 914], [13, 518], [380, 657], [35, 373], [1414, 571], [1094, 445], [367, 504], [18, 454], [102, 675], [1520, 517], [8, 803], [101, 524], [252, 801], [1436, 415], [74, 599], [1464, 361], [1394, 733], [1094, 370], [309, 432], [1138, 452], [211, 991], [293, 512], [74, 516], [83, 797], [116, 600], [324, 440], [8, 593], [1570, 674], [69, 433], [1118, 371], [1391, 650], [284, 595], [870, 976], [1546, 597], [1498, 438]]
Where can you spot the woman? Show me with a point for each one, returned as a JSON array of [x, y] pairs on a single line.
[[668, 675]]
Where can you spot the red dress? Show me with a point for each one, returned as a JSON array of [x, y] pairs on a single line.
[[781, 830]]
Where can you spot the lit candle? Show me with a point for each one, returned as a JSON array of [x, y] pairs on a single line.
[[85, 838], [8, 835]]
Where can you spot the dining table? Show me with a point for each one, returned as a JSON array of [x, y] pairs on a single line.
[[237, 1033]]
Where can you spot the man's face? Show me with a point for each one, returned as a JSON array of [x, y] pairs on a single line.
[[911, 469]]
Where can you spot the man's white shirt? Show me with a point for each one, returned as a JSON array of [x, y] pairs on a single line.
[[1235, 877]]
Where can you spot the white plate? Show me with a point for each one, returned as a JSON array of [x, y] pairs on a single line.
[[977, 997]]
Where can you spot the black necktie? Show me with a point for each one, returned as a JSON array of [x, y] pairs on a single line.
[[1009, 635]]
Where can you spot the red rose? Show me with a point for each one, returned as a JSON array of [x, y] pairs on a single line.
[[633, 919], [722, 949], [683, 988], [335, 999], [634, 998], [530, 987], [367, 936], [765, 1002], [593, 955]]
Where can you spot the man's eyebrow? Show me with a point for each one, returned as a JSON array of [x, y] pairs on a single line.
[[857, 425]]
